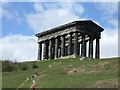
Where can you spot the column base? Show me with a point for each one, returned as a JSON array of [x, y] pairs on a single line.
[[74, 56]]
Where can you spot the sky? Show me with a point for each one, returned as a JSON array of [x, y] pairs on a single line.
[[22, 20]]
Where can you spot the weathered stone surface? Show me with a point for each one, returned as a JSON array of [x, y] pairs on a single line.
[[91, 48], [73, 38], [83, 47], [82, 25], [40, 51], [97, 52], [76, 43], [56, 48], [70, 44], [54, 35], [50, 49], [63, 46], [45, 50]]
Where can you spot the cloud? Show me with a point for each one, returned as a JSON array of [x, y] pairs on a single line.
[[4, 12], [24, 48], [58, 14], [49, 15], [60, 1], [38, 7], [18, 47], [10, 15], [113, 22], [46, 16], [109, 43], [109, 37], [109, 8]]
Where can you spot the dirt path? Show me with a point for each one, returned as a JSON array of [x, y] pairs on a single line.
[[23, 83], [34, 81]]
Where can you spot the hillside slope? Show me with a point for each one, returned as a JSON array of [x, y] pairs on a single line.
[[67, 73]]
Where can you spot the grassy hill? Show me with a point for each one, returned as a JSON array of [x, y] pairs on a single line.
[[66, 73]]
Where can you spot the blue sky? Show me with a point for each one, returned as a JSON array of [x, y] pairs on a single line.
[[22, 20]]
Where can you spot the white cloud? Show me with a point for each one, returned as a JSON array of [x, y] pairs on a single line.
[[7, 14], [21, 48], [4, 12], [50, 15], [109, 8], [24, 48], [109, 38], [78, 8], [54, 16], [60, 1], [38, 7], [113, 22], [10, 15], [109, 43], [18, 47]]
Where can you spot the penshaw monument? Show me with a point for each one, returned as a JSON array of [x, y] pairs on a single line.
[[70, 41]]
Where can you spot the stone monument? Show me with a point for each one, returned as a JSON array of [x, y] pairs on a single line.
[[70, 41]]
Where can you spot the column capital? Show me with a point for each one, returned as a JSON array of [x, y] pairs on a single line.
[[97, 37], [75, 32], [40, 42], [63, 35], [70, 33], [58, 37], [91, 37]]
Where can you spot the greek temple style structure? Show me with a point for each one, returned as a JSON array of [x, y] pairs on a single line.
[[70, 41]]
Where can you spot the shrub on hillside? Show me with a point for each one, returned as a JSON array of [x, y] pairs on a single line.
[[7, 66], [34, 65], [23, 66]]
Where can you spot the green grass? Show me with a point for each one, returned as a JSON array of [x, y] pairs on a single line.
[[89, 74]]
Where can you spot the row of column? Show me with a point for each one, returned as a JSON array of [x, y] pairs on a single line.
[[53, 52]]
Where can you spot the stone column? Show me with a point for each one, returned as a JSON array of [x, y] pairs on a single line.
[[47, 48], [56, 47], [76, 43], [63, 46], [40, 51], [44, 50], [59, 52], [53, 48], [83, 46], [97, 51], [73, 48], [90, 54], [53, 52], [70, 44], [66, 50], [50, 49], [78, 48]]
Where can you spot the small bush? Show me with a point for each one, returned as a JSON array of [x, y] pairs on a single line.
[[7, 66], [23, 66], [34, 66]]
